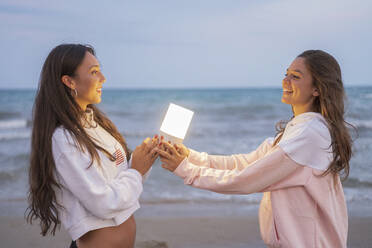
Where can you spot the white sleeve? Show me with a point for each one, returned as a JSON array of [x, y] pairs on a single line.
[[237, 161], [101, 197]]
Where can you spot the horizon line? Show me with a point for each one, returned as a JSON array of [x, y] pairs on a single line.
[[186, 88]]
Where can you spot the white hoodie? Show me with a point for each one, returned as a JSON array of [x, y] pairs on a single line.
[[96, 196]]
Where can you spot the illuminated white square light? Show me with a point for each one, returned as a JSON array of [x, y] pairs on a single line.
[[176, 123]]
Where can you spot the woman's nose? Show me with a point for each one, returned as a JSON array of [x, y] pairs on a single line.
[[287, 78], [102, 78], [285, 81]]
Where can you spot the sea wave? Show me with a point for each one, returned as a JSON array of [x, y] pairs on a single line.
[[15, 135], [8, 115], [7, 176], [369, 95], [11, 175], [10, 124], [17, 159], [239, 110], [364, 124], [356, 183], [120, 113], [138, 134], [167, 198], [196, 200], [358, 195]]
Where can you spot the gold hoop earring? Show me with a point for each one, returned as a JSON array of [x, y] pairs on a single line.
[[75, 92]]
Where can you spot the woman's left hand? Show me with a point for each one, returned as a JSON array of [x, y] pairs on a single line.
[[169, 156], [145, 155]]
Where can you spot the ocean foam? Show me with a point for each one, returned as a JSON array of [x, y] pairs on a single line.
[[369, 96], [362, 123], [8, 124], [15, 135]]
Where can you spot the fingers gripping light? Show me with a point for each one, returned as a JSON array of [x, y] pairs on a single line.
[[175, 124]]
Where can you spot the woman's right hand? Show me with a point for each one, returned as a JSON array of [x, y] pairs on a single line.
[[171, 156], [182, 149], [145, 155]]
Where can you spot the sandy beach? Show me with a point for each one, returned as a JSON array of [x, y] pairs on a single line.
[[163, 228], [173, 232]]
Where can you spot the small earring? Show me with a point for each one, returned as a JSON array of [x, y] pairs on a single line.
[[75, 92]]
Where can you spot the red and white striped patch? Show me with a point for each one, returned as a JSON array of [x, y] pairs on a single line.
[[119, 157]]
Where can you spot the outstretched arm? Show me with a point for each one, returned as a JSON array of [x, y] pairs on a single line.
[[256, 177], [236, 161]]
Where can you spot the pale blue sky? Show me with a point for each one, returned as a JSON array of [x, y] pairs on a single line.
[[205, 43]]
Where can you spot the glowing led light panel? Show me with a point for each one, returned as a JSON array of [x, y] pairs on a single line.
[[176, 121]]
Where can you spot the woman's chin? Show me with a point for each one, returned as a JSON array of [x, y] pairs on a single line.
[[284, 100], [97, 100]]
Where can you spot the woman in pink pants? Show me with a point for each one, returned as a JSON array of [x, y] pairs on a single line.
[[303, 203]]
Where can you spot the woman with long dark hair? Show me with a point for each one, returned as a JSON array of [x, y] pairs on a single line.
[[82, 173], [303, 203]]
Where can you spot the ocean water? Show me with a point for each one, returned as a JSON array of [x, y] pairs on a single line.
[[226, 121]]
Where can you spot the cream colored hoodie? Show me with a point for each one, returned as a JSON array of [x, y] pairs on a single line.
[[97, 196], [299, 208]]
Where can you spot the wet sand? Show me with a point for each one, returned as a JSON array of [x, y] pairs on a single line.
[[158, 229]]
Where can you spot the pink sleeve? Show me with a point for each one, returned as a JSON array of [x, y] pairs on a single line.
[[238, 161], [256, 177]]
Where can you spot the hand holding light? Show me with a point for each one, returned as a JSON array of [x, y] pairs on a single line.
[[176, 123], [170, 156], [145, 155]]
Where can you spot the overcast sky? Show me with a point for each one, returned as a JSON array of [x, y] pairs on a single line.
[[205, 43]]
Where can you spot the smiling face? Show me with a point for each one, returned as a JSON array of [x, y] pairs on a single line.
[[88, 81], [298, 89]]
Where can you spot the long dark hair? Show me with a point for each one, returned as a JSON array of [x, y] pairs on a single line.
[[326, 77], [55, 106]]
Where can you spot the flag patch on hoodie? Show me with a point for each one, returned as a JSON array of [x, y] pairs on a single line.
[[119, 157]]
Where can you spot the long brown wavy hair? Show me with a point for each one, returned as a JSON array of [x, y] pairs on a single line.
[[326, 77], [55, 107]]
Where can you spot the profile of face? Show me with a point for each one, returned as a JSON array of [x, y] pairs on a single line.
[[87, 81], [298, 88]]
